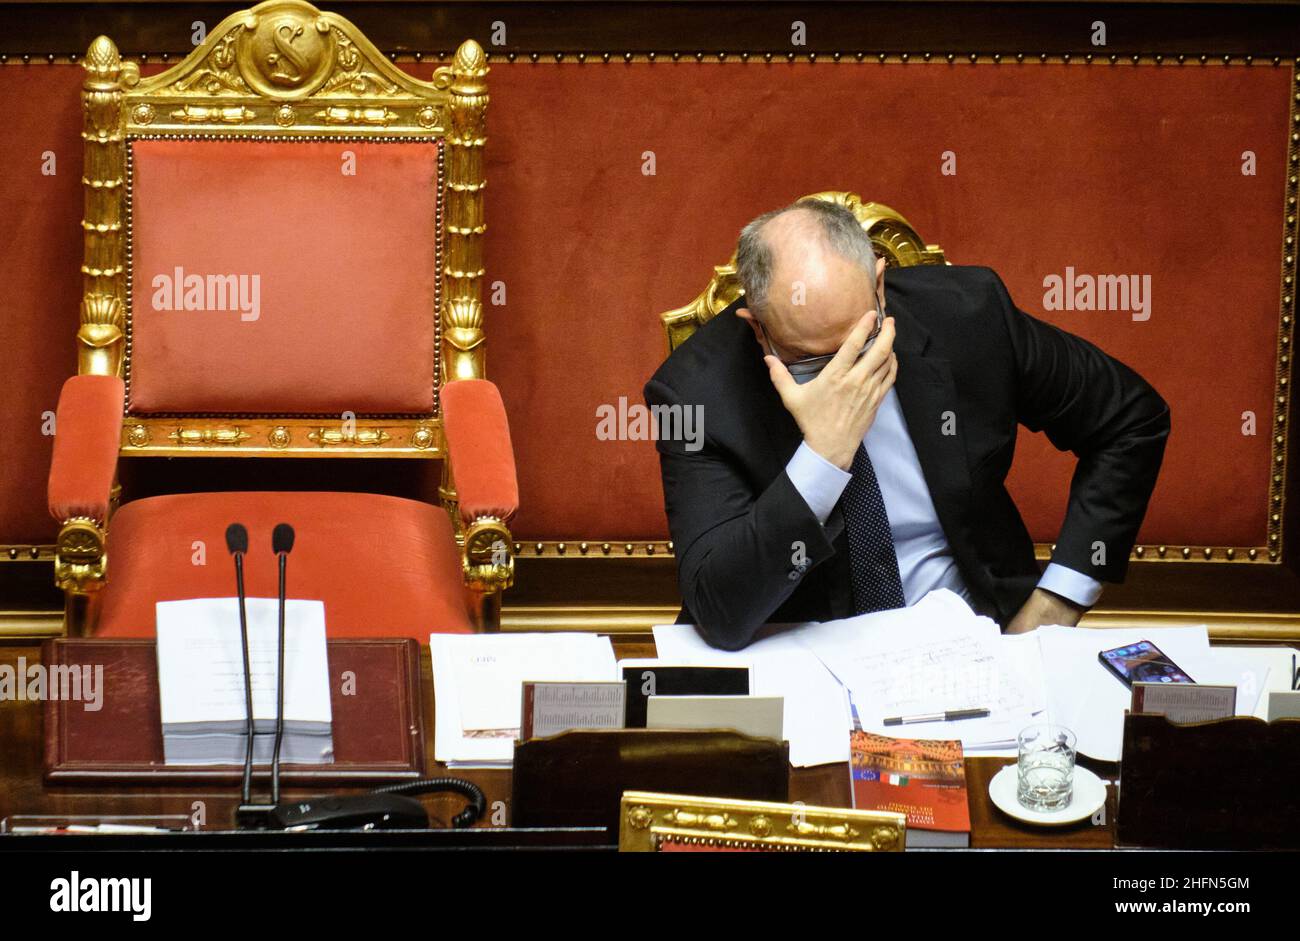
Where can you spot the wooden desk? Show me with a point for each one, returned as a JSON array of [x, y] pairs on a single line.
[[23, 790]]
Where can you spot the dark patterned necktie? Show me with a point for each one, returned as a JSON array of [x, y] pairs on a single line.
[[877, 584]]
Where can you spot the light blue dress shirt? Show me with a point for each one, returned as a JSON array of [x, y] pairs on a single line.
[[925, 560]]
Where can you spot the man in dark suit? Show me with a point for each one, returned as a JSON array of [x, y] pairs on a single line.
[[852, 462]]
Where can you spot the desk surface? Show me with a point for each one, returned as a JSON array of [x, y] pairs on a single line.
[[23, 790]]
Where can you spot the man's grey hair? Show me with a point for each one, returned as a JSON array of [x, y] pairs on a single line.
[[836, 225]]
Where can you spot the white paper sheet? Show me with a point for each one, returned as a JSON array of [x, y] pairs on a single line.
[[478, 684], [201, 661], [934, 656], [1087, 698]]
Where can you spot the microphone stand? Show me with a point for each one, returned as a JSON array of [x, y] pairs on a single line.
[[247, 814], [246, 794], [279, 685]]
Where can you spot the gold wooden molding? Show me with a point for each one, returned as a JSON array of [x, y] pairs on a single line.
[[594, 549], [488, 561], [1225, 627], [81, 556], [597, 619], [641, 548], [30, 625], [646, 820], [283, 437], [26, 552], [570, 57]]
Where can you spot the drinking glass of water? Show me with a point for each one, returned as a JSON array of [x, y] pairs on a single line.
[[1045, 767]]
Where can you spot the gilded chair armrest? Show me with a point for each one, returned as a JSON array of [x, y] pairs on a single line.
[[487, 490], [87, 436], [478, 445]]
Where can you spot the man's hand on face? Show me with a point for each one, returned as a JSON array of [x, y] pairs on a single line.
[[835, 410]]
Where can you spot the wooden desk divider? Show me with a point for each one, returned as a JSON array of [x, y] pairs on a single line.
[[578, 778], [1230, 783], [378, 734]]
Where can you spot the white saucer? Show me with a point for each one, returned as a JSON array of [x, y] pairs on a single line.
[[1089, 797]]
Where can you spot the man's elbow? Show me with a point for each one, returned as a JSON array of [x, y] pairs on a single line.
[[725, 623], [1161, 423], [1150, 420], [721, 625]]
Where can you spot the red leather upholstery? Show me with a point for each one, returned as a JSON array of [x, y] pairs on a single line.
[[384, 566], [478, 438], [87, 435]]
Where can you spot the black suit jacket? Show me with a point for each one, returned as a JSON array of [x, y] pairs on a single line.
[[968, 361]]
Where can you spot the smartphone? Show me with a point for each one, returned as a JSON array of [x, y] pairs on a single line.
[[1142, 662]]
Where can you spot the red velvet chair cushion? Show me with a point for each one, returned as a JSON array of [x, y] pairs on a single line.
[[482, 457], [88, 433], [384, 566], [346, 271]]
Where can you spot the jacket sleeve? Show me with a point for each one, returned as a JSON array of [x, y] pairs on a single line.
[[740, 553], [1113, 421]]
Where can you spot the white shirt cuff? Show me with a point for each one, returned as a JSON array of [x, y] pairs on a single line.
[[818, 481], [1069, 584]]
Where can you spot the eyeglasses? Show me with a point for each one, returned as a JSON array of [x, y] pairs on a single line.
[[812, 365]]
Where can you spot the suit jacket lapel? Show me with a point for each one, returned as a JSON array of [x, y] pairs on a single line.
[[928, 397]]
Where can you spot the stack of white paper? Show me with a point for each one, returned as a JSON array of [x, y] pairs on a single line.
[[478, 687], [938, 655], [1088, 699], [201, 681]]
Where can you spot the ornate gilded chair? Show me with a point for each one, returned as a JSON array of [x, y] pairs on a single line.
[[667, 823], [283, 259], [892, 236]]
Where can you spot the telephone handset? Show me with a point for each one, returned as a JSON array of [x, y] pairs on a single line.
[[385, 808]]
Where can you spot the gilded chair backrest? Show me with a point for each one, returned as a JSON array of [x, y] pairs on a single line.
[[283, 240], [892, 236]]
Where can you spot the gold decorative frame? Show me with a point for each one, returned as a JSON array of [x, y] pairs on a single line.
[[283, 71], [648, 820]]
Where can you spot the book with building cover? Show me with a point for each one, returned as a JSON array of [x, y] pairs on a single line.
[[924, 779]]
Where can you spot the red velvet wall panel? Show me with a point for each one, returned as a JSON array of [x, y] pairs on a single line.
[[40, 258], [1104, 169]]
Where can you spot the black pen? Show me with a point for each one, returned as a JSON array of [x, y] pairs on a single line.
[[952, 715]]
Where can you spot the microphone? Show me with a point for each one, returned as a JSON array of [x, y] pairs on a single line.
[[393, 807], [237, 543], [281, 545]]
